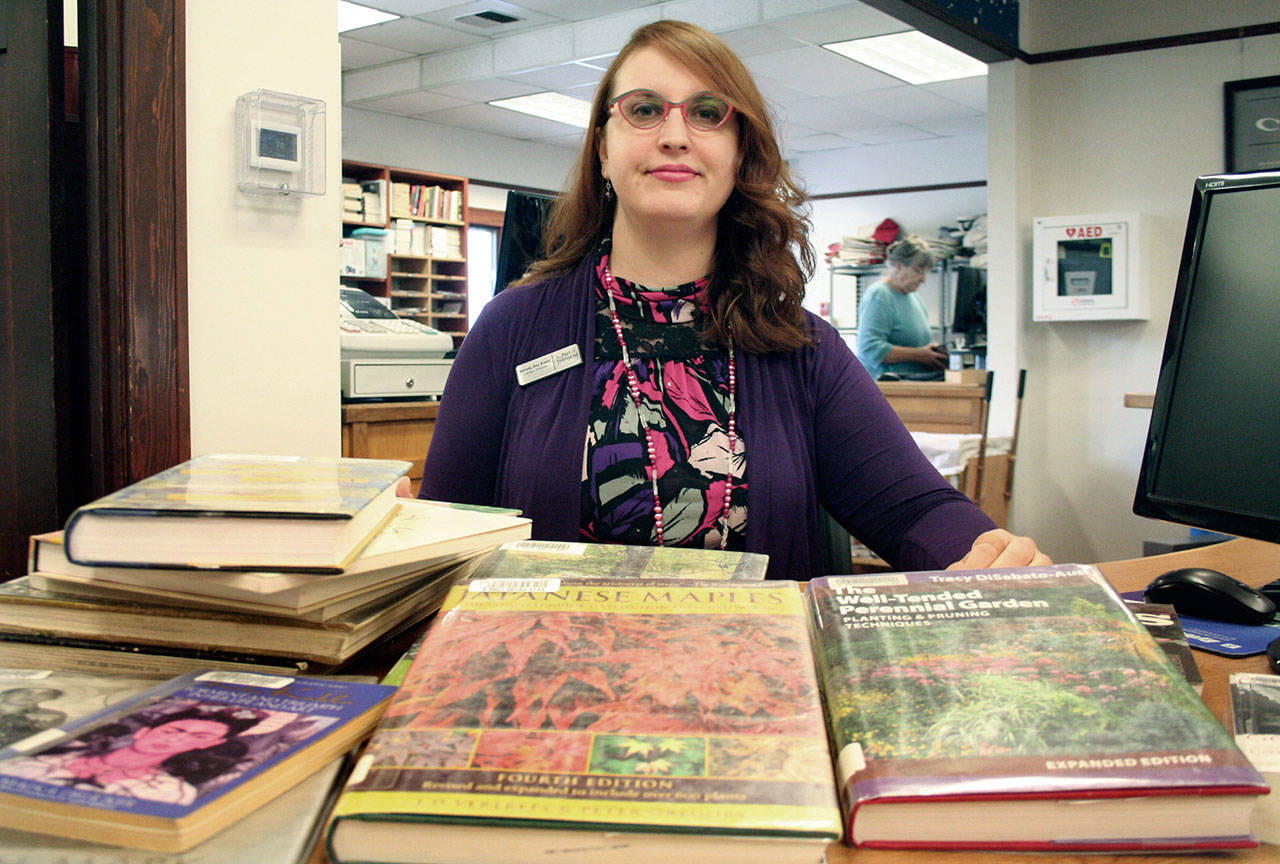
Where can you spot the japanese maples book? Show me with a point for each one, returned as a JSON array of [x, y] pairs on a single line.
[[601, 721], [168, 767], [1017, 709], [239, 513]]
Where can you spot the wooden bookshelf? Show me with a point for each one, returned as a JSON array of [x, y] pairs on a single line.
[[423, 271]]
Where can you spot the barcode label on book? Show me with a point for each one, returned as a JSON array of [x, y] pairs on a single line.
[[869, 581], [514, 586], [246, 679], [546, 547]]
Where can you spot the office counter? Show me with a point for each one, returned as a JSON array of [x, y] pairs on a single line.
[[937, 406]]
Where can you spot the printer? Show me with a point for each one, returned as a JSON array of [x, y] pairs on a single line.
[[384, 356]]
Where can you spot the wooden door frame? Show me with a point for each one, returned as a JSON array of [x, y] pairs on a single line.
[[134, 104]]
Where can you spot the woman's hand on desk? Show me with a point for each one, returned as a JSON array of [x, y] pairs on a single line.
[[1000, 548], [404, 487]]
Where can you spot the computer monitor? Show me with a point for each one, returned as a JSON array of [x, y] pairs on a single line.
[[521, 242], [1212, 457], [970, 313]]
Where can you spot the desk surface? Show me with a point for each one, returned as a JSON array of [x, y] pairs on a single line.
[[1247, 560]]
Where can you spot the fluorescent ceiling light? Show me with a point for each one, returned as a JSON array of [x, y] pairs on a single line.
[[550, 106], [352, 16], [911, 56]]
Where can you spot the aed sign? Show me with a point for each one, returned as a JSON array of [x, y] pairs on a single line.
[[1087, 268]]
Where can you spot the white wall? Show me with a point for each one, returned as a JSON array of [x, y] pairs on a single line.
[[1119, 133], [261, 270]]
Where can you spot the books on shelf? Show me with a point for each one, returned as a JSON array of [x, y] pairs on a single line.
[[239, 512], [421, 537], [1255, 720], [597, 721], [1017, 709], [169, 767], [522, 559], [426, 202]]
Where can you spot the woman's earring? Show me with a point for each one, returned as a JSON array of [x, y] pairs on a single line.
[[608, 190]]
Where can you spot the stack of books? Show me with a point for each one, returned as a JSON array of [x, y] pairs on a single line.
[[202, 567]]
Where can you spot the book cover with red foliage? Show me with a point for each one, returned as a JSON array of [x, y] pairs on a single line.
[[1022, 708], [607, 719]]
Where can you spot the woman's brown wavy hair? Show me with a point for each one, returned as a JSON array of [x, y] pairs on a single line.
[[762, 257]]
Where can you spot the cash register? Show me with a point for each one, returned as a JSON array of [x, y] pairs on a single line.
[[384, 356]]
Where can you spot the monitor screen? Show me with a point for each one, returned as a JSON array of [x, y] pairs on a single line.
[[970, 314], [1212, 458], [521, 242]]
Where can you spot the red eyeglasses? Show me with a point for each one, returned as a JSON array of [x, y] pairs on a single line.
[[645, 109]]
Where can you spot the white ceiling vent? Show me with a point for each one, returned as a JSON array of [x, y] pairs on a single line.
[[487, 19]]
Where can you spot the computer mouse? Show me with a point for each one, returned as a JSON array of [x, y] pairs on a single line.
[[1204, 593]]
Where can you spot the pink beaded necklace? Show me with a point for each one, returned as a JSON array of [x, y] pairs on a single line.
[[633, 387]]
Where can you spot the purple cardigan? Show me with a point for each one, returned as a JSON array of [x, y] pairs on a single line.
[[816, 429]]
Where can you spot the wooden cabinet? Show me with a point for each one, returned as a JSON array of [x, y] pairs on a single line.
[[420, 219], [390, 430]]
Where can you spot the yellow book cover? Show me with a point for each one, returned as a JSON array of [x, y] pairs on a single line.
[[602, 720]]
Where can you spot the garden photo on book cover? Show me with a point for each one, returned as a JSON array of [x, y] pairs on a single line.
[[1031, 685]]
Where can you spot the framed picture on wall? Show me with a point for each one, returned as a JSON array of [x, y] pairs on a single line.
[[1252, 113]]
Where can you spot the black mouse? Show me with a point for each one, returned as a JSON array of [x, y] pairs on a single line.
[[1204, 593]]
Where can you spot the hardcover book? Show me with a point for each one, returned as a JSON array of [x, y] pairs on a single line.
[[558, 560], [1255, 719], [169, 767], [984, 709], [597, 721], [27, 611], [421, 537], [240, 513]]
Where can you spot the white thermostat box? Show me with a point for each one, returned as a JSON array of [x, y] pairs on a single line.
[[1087, 268]]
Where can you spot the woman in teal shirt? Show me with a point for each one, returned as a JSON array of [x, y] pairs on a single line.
[[893, 326]]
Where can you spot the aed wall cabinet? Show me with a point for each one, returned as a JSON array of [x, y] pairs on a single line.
[[1087, 268], [279, 144]]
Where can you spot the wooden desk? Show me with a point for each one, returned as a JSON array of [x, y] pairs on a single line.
[[1247, 560], [390, 430], [936, 406]]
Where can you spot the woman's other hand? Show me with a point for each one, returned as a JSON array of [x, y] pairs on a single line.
[[404, 487], [1000, 548]]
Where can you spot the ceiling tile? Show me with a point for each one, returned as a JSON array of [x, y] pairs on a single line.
[[967, 91], [832, 115], [498, 121], [381, 80], [357, 54], [750, 41], [526, 51], [715, 17], [975, 125], [847, 21], [889, 135], [412, 36], [819, 72], [413, 104], [407, 7], [907, 104], [486, 89], [580, 10], [561, 77]]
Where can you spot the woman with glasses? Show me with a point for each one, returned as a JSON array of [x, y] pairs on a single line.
[[653, 380], [893, 327]]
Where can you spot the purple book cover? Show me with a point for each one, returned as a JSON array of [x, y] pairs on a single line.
[[178, 747]]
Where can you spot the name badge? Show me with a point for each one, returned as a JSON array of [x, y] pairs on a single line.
[[548, 364]]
